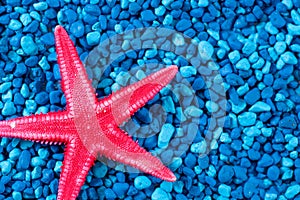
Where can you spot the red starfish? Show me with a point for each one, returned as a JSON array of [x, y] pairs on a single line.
[[89, 127]]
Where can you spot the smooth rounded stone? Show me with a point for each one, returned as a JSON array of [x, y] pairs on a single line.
[[14, 154], [14, 25], [206, 50], [18, 186], [142, 182], [252, 96], [250, 187], [193, 111], [77, 29], [147, 15], [183, 25], [9, 109], [5, 167], [211, 106], [234, 79], [260, 107], [287, 162], [165, 135], [188, 71], [247, 119], [203, 3], [42, 98], [28, 45], [288, 122], [289, 58], [159, 194], [24, 160], [224, 190], [225, 174], [292, 191], [265, 161], [40, 6], [243, 64], [48, 39], [237, 108], [122, 78], [280, 47], [99, 170], [93, 38], [92, 9], [199, 147], [120, 189], [4, 87], [37, 161], [109, 194], [273, 173]]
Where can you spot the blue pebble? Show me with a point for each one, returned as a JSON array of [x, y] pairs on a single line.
[[142, 182], [260, 107], [24, 160], [37, 161], [188, 71], [20, 70], [252, 96], [18, 186], [77, 29], [288, 122], [93, 38], [247, 118], [243, 64], [42, 98], [9, 109], [273, 173], [28, 45], [4, 87], [206, 51], [292, 191], [134, 8], [120, 189], [48, 39], [53, 3], [190, 160], [183, 25], [277, 20], [165, 135], [109, 194], [224, 190], [225, 174], [5, 167], [14, 25], [159, 194], [55, 97], [147, 15], [250, 187], [92, 9], [31, 61], [289, 58], [265, 161]]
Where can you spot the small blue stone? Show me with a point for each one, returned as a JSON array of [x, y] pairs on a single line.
[[260, 107], [225, 174], [55, 97], [42, 98], [9, 109], [93, 38], [243, 64], [183, 25], [24, 160], [18, 186], [92, 9], [252, 96], [48, 39], [48, 176], [206, 50], [14, 154], [292, 191], [28, 45], [159, 194], [240, 173], [288, 122], [40, 6], [53, 3], [4, 87], [134, 8], [247, 119], [77, 29], [14, 25], [165, 135], [5, 167], [147, 15], [250, 187], [277, 20], [109, 194], [289, 58], [37, 161], [273, 173], [224, 190], [265, 161], [188, 71], [120, 189]]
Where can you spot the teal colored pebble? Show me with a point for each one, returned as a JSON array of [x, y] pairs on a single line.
[[252, 131], [243, 64], [25, 19], [93, 38], [199, 147], [237, 108], [211, 106], [165, 135], [9, 109], [260, 107], [224, 190], [168, 104], [14, 154], [142, 182], [293, 29], [14, 25], [292, 191], [287, 162], [43, 63], [28, 45], [122, 78], [40, 6], [249, 47], [188, 71], [295, 17], [206, 50], [166, 186], [37, 161], [193, 111], [159, 194], [168, 20], [280, 47], [247, 118], [5, 167], [289, 58], [4, 87], [99, 170], [243, 89], [267, 132], [234, 56], [203, 3]]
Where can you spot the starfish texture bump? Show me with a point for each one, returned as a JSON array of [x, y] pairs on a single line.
[[88, 126]]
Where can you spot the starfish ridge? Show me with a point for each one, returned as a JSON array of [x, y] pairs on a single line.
[[89, 127]]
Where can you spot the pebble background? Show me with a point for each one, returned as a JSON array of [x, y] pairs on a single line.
[[256, 46]]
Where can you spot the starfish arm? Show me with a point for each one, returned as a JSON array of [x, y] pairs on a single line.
[[76, 165], [120, 147], [125, 102], [45, 128], [71, 67]]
